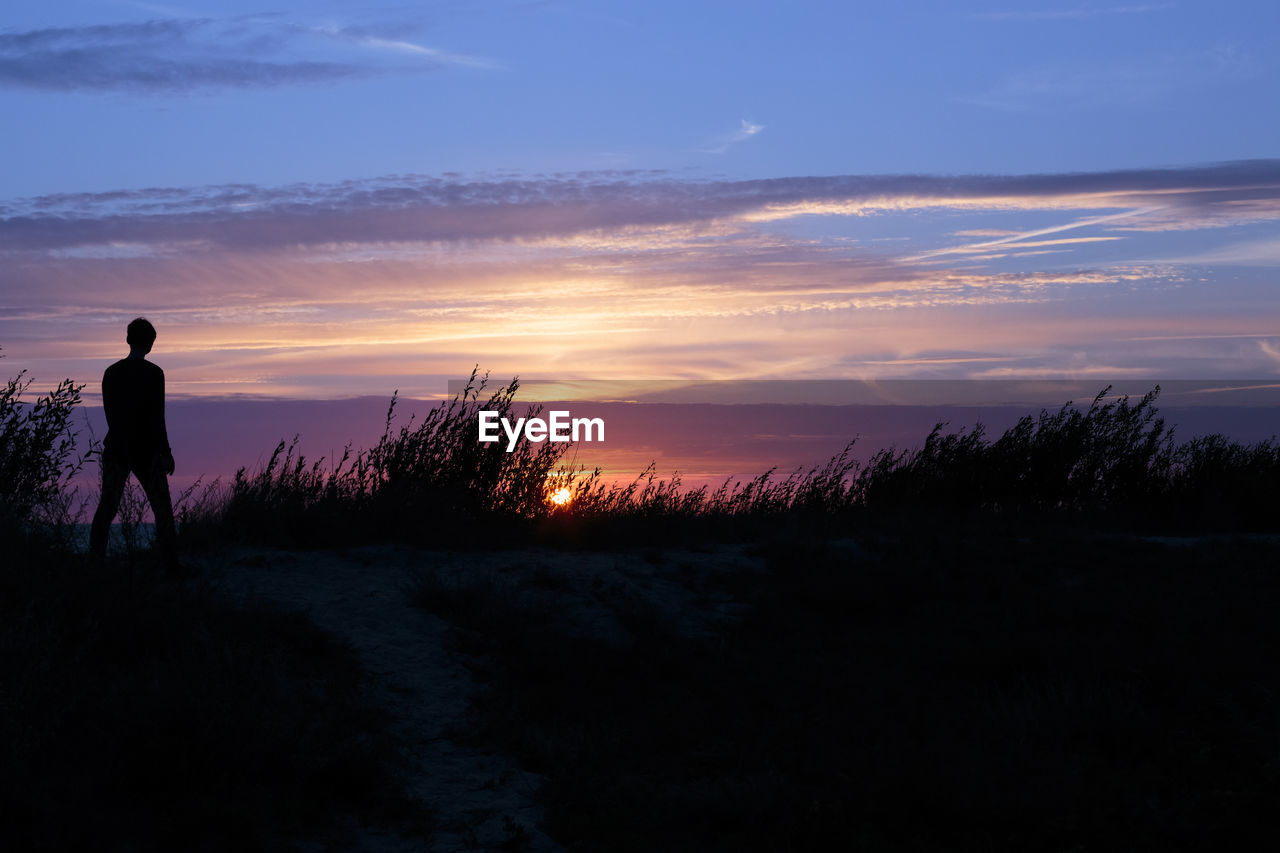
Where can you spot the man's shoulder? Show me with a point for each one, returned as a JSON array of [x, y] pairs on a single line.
[[133, 367]]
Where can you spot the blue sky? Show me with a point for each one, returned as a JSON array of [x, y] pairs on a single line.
[[111, 95], [332, 199]]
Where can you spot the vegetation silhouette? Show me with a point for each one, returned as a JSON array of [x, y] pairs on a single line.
[[38, 458], [963, 646], [428, 477], [1112, 463]]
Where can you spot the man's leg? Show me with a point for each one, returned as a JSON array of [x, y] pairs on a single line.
[[114, 473], [156, 485]]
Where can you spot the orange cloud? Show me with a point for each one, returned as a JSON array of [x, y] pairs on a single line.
[[340, 291]]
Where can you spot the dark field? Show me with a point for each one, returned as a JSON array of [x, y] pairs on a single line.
[[1063, 638], [938, 691]]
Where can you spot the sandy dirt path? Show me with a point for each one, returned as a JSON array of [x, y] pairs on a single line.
[[481, 801]]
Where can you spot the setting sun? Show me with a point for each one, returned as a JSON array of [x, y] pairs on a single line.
[[561, 496]]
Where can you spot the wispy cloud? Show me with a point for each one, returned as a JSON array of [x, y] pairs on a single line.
[[1070, 14], [1270, 350], [311, 289], [443, 210], [1150, 80], [1018, 240], [743, 133], [1263, 253], [174, 55], [398, 45], [157, 9]]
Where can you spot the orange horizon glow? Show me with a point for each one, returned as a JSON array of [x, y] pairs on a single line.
[[759, 290]]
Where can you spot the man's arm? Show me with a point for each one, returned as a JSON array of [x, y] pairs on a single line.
[[166, 451], [108, 397]]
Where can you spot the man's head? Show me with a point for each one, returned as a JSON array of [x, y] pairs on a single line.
[[141, 335]]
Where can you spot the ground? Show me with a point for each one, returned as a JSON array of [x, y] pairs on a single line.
[[364, 595]]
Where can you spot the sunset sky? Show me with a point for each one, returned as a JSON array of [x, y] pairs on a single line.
[[328, 200]]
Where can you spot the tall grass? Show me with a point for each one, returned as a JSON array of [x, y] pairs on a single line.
[[38, 458], [428, 477], [1113, 458], [1113, 461]]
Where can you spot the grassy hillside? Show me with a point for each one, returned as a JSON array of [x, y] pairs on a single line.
[[977, 644]]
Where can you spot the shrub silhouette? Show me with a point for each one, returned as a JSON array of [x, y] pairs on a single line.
[[37, 453], [1113, 461], [1074, 460], [429, 477]]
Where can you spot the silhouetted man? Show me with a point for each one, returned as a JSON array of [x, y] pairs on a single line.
[[137, 441]]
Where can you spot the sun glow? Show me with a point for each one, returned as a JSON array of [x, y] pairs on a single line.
[[561, 496]]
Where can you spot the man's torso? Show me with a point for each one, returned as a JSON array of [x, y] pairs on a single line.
[[133, 400]]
